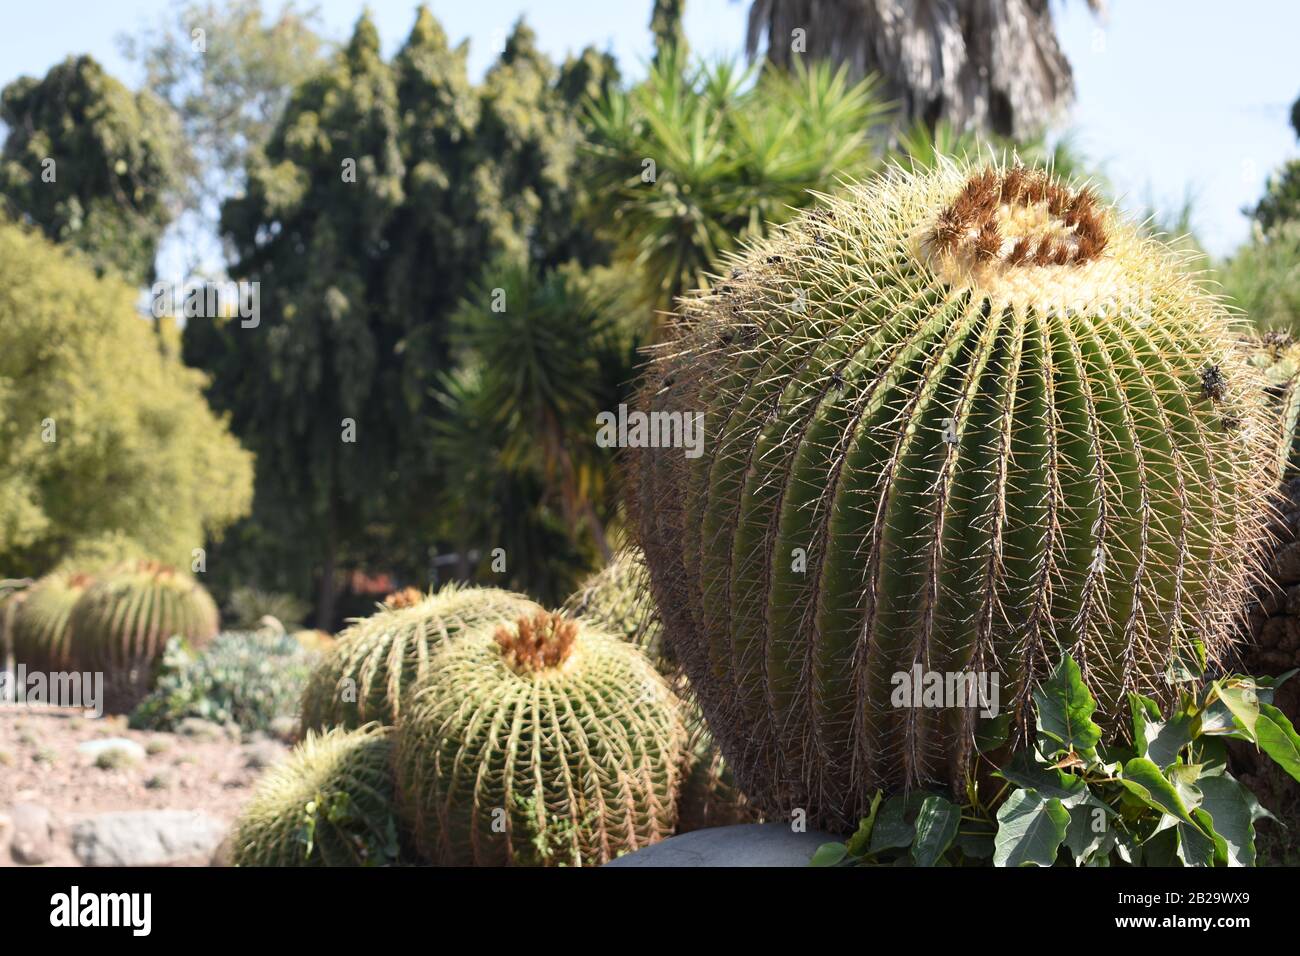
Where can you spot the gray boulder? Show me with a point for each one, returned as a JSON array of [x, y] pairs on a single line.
[[147, 838], [745, 844]]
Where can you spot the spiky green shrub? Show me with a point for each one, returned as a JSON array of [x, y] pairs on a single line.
[[41, 635], [122, 622], [540, 742], [243, 679], [954, 421], [363, 676], [329, 804], [616, 599], [247, 607]]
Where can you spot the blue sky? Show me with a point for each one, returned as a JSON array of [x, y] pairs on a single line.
[[1174, 97]]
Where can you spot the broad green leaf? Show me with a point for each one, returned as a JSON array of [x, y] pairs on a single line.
[[891, 828], [1195, 846], [1162, 741], [1187, 664], [1065, 709], [1089, 833], [1240, 695], [977, 846], [1144, 711], [1027, 773], [1278, 739], [992, 732], [1030, 830], [1224, 800], [861, 838], [936, 826], [829, 854], [1144, 780]]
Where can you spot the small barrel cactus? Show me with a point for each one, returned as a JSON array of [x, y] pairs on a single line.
[[122, 622], [41, 633], [363, 676], [708, 796], [539, 742], [616, 599], [1277, 356], [330, 803], [955, 422]]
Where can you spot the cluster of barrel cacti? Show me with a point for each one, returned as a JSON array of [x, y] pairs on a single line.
[[960, 420], [117, 622]]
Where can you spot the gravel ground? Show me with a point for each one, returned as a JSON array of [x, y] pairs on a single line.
[[39, 763]]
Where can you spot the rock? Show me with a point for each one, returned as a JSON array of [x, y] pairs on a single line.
[[1286, 564], [262, 754], [94, 749], [745, 844], [285, 729], [6, 828], [147, 838], [33, 837]]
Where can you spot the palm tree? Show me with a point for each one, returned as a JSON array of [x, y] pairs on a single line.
[[993, 65]]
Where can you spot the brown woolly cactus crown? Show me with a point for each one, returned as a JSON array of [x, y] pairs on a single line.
[[538, 641], [957, 420]]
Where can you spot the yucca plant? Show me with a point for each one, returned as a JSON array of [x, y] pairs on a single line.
[[329, 804], [122, 622], [732, 151], [538, 742], [41, 635], [373, 664], [957, 422]]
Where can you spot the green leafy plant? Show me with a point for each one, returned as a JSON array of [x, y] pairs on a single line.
[[1164, 799], [247, 680], [952, 415]]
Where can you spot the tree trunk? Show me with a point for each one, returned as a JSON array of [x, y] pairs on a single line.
[[325, 596]]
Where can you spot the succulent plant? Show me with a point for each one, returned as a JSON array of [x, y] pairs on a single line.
[[363, 676], [122, 622], [540, 742], [330, 803], [1277, 356], [956, 421], [616, 599], [41, 635], [242, 679]]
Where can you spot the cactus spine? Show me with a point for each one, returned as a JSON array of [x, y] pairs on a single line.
[[365, 674], [955, 420], [540, 742], [329, 804], [616, 599]]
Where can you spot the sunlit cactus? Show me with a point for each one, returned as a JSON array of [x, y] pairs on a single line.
[[122, 622], [1277, 356], [616, 599], [539, 742], [330, 803], [366, 671], [41, 633], [957, 420]]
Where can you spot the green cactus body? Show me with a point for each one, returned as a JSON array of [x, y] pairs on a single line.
[[616, 599], [330, 803], [708, 796], [122, 622], [41, 633], [363, 676], [954, 421], [544, 742]]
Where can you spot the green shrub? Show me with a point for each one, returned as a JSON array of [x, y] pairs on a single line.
[[328, 804], [246, 607], [244, 679]]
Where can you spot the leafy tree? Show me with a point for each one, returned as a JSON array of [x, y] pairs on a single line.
[[106, 444], [91, 163], [698, 157], [1263, 278], [227, 69]]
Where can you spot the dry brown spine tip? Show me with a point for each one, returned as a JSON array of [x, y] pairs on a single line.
[[537, 642], [407, 597]]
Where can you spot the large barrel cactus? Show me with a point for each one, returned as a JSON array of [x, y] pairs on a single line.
[[955, 422], [365, 674], [540, 742], [329, 804], [41, 632], [121, 624]]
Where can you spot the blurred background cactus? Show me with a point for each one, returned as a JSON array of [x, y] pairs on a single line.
[[329, 804], [539, 742], [1018, 427], [374, 663], [41, 636]]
